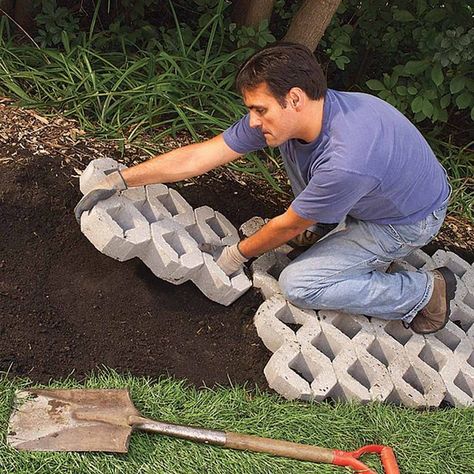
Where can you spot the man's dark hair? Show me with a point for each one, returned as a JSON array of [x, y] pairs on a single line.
[[281, 67]]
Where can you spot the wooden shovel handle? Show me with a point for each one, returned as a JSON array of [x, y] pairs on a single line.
[[310, 453], [278, 448]]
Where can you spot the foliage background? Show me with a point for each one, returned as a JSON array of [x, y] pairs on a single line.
[[126, 68]]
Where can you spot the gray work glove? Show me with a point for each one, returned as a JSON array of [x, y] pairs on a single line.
[[228, 258], [112, 183]]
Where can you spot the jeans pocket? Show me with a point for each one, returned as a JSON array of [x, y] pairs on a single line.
[[411, 234]]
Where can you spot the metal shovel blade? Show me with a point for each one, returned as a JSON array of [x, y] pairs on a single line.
[[71, 420]]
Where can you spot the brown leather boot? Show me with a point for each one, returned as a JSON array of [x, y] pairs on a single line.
[[305, 239], [435, 315], [309, 237]]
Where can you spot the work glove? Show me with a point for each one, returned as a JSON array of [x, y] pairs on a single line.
[[112, 183], [228, 258]]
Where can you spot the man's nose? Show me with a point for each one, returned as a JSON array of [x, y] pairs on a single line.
[[254, 122]]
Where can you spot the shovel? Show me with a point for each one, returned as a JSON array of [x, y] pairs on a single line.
[[103, 420]]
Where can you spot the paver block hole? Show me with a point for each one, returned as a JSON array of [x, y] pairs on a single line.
[[375, 349], [462, 383], [169, 204], [174, 241], [469, 299], [356, 371], [294, 327], [147, 211], [322, 344], [462, 318], [415, 260], [215, 225], [398, 332], [456, 268], [195, 232], [428, 357], [285, 315], [300, 366], [447, 338], [275, 270], [470, 360], [123, 219], [411, 378], [347, 324]]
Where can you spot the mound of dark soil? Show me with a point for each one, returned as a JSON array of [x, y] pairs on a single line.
[[67, 309]]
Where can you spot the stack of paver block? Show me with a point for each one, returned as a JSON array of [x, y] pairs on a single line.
[[329, 354], [157, 225]]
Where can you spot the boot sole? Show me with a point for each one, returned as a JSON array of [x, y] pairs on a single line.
[[451, 284]]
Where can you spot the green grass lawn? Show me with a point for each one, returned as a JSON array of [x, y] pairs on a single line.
[[437, 441]]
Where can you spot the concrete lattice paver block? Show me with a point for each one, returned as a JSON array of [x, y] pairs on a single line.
[[331, 354], [156, 224]]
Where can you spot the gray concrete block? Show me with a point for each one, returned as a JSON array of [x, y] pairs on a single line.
[[317, 370], [455, 263], [453, 366], [415, 382], [468, 280], [170, 203], [284, 380], [134, 194], [271, 321], [463, 315], [313, 365], [419, 259], [255, 224], [240, 283], [251, 226], [266, 270], [374, 359], [338, 348], [157, 225], [116, 229], [401, 266], [216, 285], [214, 228], [96, 171], [174, 255]]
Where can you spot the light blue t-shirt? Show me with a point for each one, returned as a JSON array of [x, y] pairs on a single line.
[[369, 162]]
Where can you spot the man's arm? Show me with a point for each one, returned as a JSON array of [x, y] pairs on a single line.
[[181, 163], [276, 232]]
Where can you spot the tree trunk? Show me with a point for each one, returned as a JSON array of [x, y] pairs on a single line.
[[6, 6], [252, 13], [310, 22], [24, 14]]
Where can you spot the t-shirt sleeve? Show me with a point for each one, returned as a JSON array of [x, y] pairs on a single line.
[[242, 138], [331, 194]]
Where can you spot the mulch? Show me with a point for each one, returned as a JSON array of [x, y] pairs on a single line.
[[66, 309]]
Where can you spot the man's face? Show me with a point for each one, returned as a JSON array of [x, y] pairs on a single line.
[[276, 122]]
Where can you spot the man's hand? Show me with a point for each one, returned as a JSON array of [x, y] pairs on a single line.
[[228, 258], [103, 190]]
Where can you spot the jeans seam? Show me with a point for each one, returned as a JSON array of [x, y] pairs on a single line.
[[362, 263]]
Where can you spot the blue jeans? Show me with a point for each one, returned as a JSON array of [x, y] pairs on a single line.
[[346, 270]]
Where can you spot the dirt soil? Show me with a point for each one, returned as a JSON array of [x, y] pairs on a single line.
[[66, 309]]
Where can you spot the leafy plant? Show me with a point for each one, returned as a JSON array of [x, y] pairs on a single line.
[[54, 22], [248, 36], [437, 79]]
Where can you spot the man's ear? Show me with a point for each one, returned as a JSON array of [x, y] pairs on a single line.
[[295, 97]]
